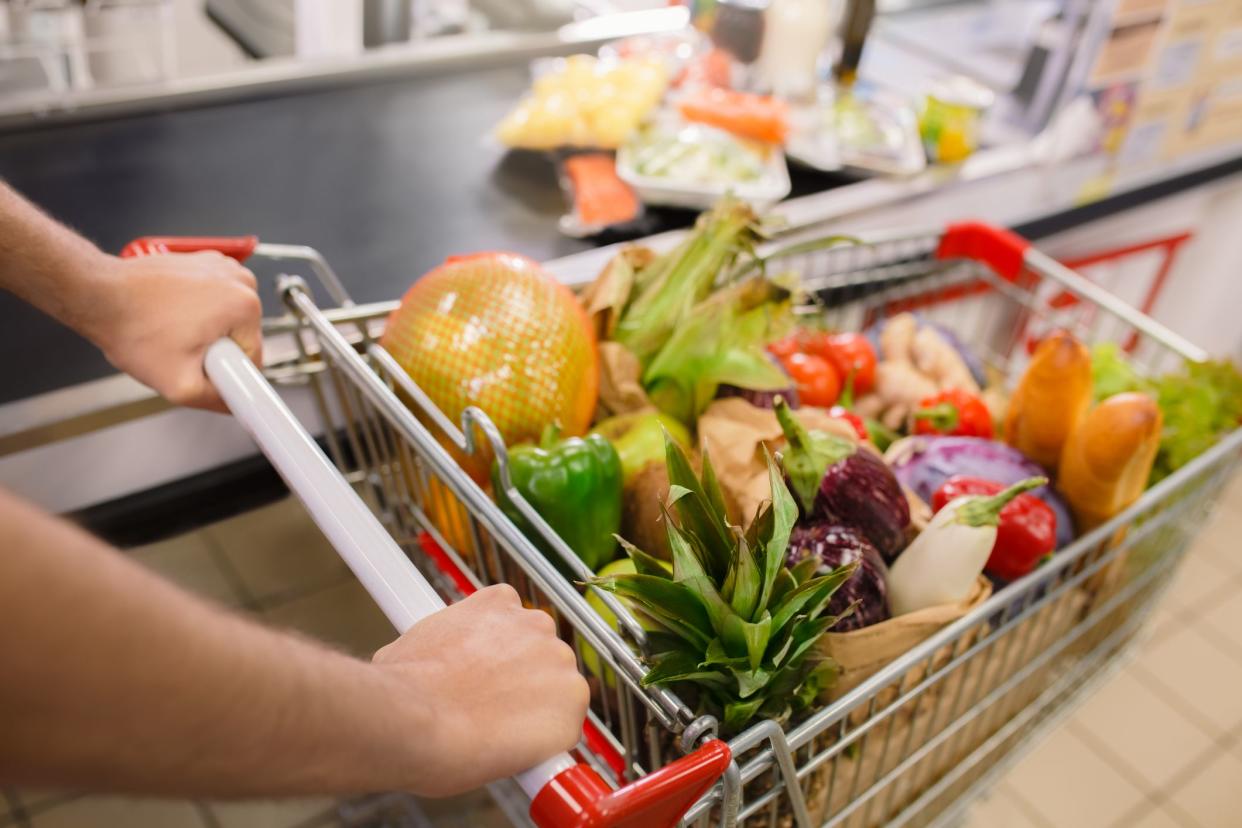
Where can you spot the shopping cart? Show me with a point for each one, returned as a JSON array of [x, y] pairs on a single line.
[[911, 744]]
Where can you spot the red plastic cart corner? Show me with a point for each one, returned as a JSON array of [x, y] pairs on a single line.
[[1002, 250]]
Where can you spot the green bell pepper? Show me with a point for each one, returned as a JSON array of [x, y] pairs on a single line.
[[575, 485]]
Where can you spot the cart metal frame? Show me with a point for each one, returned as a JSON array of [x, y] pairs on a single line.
[[914, 742]]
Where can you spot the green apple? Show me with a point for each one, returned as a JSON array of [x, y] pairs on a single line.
[[590, 658], [639, 439]]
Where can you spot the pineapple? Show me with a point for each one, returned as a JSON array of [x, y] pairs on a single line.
[[731, 620]]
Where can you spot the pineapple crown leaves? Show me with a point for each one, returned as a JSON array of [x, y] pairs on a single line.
[[732, 619]]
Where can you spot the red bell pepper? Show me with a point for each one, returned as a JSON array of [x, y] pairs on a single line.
[[838, 412], [953, 411], [1027, 532], [841, 411]]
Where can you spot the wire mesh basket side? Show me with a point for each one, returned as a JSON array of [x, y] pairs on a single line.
[[897, 748], [626, 731], [901, 749]]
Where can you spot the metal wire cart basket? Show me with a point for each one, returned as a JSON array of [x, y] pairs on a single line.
[[912, 743]]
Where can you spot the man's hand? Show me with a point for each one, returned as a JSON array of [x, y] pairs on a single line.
[[155, 316], [502, 691]]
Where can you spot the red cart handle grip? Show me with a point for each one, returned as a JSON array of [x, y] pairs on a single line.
[[579, 798], [236, 247], [1002, 250]]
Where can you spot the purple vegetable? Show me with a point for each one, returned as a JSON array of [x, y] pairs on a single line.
[[836, 481], [761, 399], [835, 545], [922, 463]]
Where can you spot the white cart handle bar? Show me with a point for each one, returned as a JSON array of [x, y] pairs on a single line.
[[564, 792]]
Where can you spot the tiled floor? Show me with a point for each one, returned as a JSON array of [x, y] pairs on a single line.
[[1158, 746]]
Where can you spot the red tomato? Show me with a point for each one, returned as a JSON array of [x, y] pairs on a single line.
[[818, 382], [786, 347], [801, 341], [853, 352], [817, 343]]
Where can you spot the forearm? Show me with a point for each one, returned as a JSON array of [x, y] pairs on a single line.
[[48, 265], [115, 679]]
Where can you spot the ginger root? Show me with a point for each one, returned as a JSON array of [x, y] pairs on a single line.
[[916, 361]]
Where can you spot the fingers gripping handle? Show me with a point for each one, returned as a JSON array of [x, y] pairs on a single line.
[[564, 793], [358, 537], [237, 247]]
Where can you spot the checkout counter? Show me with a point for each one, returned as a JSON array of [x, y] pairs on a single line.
[[384, 165]]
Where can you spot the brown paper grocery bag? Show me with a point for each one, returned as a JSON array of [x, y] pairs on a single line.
[[861, 653], [620, 381], [894, 738], [606, 297], [733, 433]]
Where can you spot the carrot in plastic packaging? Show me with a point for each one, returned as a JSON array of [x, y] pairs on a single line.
[[757, 117]]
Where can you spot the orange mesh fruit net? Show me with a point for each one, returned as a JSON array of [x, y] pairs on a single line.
[[495, 331]]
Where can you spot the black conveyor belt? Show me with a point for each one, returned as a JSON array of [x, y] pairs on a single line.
[[385, 179]]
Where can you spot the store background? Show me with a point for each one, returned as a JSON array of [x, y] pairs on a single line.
[[1160, 744]]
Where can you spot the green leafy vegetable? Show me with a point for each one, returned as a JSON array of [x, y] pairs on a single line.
[[721, 342], [1200, 406], [1111, 372], [667, 291]]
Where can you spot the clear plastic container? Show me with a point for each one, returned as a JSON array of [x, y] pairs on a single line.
[[865, 128], [692, 165]]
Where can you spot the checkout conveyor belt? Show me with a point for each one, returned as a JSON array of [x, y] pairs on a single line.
[[385, 178]]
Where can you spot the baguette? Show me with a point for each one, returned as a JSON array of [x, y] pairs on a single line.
[[1108, 457], [1050, 399]]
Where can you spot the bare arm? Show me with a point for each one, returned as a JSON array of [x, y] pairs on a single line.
[[152, 317], [116, 680], [111, 679]]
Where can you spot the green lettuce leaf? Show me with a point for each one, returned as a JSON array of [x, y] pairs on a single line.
[[1199, 406]]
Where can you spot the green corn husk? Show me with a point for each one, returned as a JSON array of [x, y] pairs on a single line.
[[721, 342], [666, 292]]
